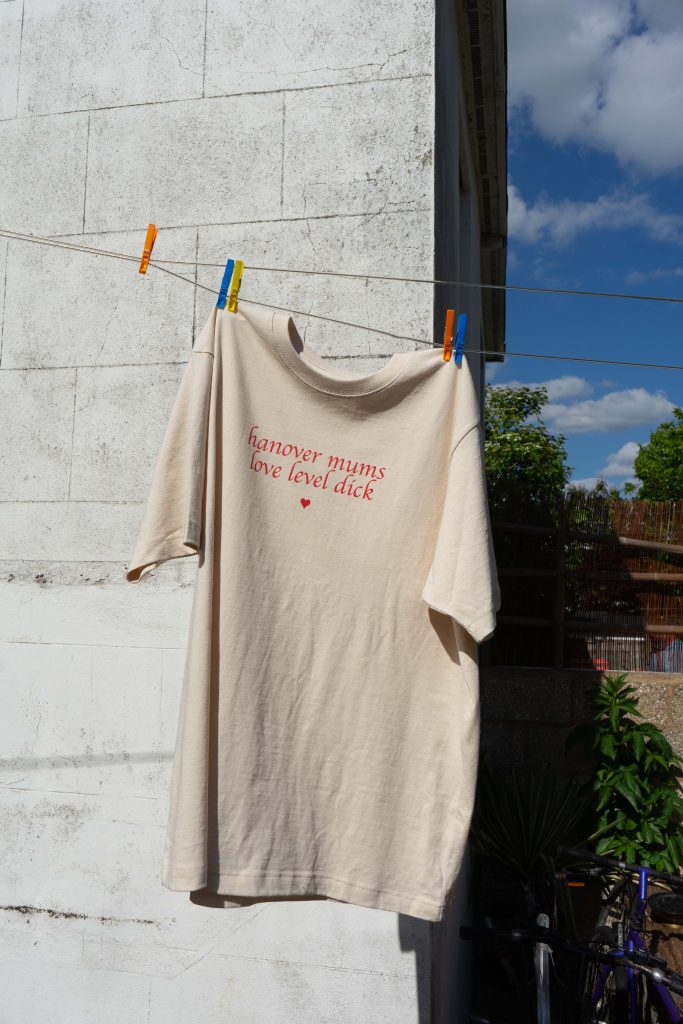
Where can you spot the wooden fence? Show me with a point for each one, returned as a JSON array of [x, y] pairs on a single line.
[[593, 582]]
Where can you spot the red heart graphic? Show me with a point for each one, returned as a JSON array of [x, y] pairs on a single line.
[[305, 502]]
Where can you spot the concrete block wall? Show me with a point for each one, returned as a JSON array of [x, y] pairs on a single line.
[[527, 712], [291, 134]]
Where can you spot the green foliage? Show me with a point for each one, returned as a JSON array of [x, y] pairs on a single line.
[[524, 461], [520, 817], [659, 463], [635, 785]]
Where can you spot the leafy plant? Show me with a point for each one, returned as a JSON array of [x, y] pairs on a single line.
[[635, 785]]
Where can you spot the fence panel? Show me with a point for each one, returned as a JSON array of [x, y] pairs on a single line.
[[590, 582]]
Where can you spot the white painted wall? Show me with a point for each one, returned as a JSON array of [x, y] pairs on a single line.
[[294, 134]]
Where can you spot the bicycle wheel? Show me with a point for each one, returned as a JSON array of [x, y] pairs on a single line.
[[604, 992], [661, 935]]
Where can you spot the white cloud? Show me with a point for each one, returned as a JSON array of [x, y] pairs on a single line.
[[613, 411], [512, 384], [559, 388], [601, 72], [636, 276], [638, 119], [513, 260], [561, 222], [618, 468], [664, 14], [620, 463], [492, 370], [555, 55]]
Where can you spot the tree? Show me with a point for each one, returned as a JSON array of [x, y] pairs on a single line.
[[659, 463], [605, 490], [525, 464]]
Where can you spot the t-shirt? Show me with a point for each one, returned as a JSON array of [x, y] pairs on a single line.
[[327, 738]]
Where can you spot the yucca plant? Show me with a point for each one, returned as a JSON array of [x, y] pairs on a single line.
[[522, 815]]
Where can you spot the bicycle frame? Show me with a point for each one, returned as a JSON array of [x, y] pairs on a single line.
[[540, 936], [633, 941]]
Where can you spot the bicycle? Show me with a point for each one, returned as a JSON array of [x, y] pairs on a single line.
[[641, 962], [619, 992], [618, 980]]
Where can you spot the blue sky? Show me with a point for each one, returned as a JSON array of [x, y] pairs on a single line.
[[595, 191]]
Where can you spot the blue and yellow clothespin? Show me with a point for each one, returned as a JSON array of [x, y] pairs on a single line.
[[230, 285], [460, 338]]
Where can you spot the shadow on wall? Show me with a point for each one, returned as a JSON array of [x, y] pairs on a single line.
[[528, 712], [416, 934], [443, 964]]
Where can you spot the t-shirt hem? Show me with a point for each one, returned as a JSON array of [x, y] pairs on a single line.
[[260, 887]]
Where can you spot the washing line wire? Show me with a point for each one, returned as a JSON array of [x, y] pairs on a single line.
[[363, 327], [422, 341], [343, 273]]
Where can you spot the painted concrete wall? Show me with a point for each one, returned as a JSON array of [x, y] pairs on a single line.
[[291, 134]]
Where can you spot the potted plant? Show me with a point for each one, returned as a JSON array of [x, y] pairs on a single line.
[[520, 818]]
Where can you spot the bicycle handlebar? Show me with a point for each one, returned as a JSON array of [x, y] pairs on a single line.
[[661, 977], [634, 958], [675, 881]]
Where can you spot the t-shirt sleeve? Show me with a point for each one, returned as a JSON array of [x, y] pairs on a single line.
[[462, 580], [173, 518]]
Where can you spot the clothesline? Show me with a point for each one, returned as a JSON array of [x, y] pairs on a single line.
[[343, 273], [58, 243]]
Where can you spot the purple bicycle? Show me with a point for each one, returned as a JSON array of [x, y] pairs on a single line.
[[544, 942], [616, 978], [633, 983]]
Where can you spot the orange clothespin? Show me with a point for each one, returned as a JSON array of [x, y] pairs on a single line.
[[147, 251], [448, 334]]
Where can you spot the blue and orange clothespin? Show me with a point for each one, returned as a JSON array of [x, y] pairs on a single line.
[[460, 338], [150, 239]]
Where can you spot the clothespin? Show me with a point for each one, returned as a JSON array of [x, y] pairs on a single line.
[[147, 250], [448, 334], [460, 338], [223, 293], [235, 286]]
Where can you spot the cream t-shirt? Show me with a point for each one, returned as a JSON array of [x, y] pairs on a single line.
[[327, 739]]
